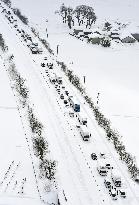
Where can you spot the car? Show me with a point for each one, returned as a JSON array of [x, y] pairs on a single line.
[[94, 156], [78, 126], [45, 58], [107, 183], [43, 64], [122, 193], [108, 166], [113, 193], [102, 171], [102, 155], [65, 102], [62, 96], [66, 92]]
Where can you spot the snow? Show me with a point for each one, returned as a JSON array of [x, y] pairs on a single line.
[[112, 72]]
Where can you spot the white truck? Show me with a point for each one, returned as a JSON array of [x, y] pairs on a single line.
[[85, 133], [116, 178], [81, 118]]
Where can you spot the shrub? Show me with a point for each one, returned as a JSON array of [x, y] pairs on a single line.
[[47, 169], [40, 147], [35, 125], [105, 42]]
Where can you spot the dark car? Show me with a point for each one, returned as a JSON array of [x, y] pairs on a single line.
[[107, 183], [43, 64], [94, 156], [66, 92]]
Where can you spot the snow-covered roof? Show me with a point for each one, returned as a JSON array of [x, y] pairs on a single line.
[[125, 35], [94, 35]]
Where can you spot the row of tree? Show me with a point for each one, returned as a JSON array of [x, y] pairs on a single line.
[[82, 15], [16, 11], [40, 145], [104, 123]]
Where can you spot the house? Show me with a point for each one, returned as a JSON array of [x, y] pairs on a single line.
[[127, 38], [135, 35], [87, 31], [114, 36], [77, 31], [95, 38]]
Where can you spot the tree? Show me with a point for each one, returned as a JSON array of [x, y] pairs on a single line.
[[7, 2], [48, 169], [105, 42], [40, 147], [86, 13]]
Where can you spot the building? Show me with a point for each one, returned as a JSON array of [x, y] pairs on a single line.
[[95, 38], [114, 36], [127, 38], [136, 36]]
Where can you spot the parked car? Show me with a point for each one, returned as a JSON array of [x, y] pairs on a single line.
[[94, 156], [122, 193]]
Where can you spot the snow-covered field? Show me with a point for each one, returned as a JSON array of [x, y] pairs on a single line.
[[112, 72], [15, 161]]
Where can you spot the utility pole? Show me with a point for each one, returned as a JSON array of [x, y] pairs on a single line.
[[84, 79], [57, 49], [98, 98]]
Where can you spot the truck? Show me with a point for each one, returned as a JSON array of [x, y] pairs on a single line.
[[81, 118], [116, 178], [84, 132], [74, 103]]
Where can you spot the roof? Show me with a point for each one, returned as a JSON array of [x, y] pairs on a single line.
[[94, 35], [135, 35], [126, 35]]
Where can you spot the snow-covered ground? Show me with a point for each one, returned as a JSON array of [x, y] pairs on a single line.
[[108, 71]]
